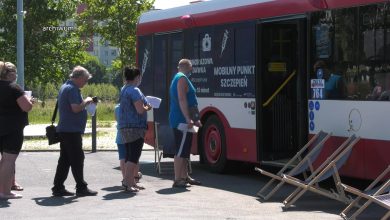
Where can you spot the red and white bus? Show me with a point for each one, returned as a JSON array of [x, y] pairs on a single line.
[[260, 97]]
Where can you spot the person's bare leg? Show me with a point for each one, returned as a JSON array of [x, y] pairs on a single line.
[[184, 165], [137, 177], [16, 186], [137, 173], [187, 176], [7, 168], [136, 170], [122, 167], [129, 176], [177, 168]]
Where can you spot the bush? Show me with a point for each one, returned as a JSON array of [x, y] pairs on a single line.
[[43, 91], [47, 94], [41, 114], [104, 91]]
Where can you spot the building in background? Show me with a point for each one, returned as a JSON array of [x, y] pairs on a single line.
[[98, 48]]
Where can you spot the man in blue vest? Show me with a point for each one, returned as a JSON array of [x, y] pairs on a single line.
[[182, 97]]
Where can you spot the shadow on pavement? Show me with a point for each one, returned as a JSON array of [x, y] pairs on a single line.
[[170, 191], [315, 203], [113, 188], [4, 203], [245, 182], [119, 195], [330, 206], [55, 201]]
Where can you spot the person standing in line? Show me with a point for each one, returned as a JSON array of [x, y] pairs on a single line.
[[132, 124], [71, 126], [14, 105], [182, 96], [120, 145], [122, 150]]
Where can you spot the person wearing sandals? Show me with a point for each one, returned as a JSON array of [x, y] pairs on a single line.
[[122, 150], [132, 124], [182, 96], [14, 105]]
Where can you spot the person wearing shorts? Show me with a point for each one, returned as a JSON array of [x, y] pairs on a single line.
[[122, 150], [14, 105], [132, 124], [182, 96]]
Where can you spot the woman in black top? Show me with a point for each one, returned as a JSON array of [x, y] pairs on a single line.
[[14, 105]]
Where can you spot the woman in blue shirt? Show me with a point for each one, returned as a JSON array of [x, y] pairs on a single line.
[[132, 124]]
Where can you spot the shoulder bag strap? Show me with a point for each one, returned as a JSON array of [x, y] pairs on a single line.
[[53, 118]]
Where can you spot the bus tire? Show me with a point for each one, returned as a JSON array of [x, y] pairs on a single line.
[[214, 144]]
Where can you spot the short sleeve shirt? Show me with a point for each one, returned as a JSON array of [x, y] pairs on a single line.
[[69, 121], [129, 117], [12, 117]]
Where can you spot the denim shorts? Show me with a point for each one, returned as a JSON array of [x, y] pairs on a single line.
[[122, 151]]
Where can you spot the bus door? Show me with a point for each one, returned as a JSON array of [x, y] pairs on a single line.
[[281, 84], [167, 51]]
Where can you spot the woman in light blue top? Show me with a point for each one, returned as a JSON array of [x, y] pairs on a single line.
[[122, 149], [132, 124]]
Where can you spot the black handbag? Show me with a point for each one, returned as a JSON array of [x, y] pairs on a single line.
[[51, 133]]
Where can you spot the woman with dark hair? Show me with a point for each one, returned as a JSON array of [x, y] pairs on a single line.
[[132, 124], [14, 105]]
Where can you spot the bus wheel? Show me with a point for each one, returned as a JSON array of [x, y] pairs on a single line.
[[214, 144]]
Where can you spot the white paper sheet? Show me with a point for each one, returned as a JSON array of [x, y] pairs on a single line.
[[91, 109], [154, 101], [184, 127]]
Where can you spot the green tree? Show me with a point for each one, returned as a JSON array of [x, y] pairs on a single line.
[[115, 21], [49, 54], [97, 69]]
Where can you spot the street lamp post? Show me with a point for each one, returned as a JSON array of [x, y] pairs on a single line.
[[20, 43]]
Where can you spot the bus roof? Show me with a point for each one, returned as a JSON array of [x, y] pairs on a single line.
[[226, 11]]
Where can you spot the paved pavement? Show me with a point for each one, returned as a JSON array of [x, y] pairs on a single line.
[[39, 130], [229, 196]]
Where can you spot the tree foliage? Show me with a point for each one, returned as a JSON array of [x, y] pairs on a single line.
[[115, 21], [49, 54]]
